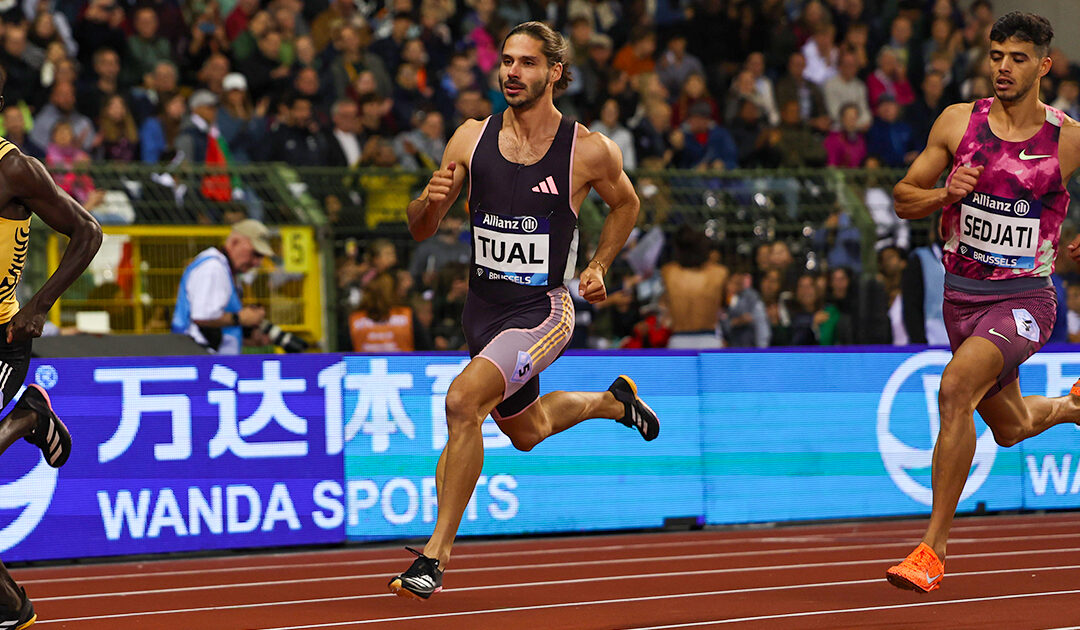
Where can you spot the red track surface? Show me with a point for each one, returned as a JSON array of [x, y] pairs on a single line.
[[1002, 572]]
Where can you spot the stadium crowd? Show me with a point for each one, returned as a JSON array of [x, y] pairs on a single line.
[[703, 86]]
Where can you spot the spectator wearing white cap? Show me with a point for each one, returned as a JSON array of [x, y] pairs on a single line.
[[209, 306], [241, 124]]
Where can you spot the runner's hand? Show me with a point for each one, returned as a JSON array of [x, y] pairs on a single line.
[[1074, 249], [26, 324], [591, 285], [441, 182], [961, 183]]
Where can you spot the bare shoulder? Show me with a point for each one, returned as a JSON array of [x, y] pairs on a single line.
[[22, 175], [1070, 129], [597, 153], [464, 139]]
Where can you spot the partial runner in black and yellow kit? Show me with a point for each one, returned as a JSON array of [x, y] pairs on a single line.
[[25, 188]]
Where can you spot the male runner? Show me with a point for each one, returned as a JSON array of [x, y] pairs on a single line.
[[1004, 201], [25, 187], [529, 170]]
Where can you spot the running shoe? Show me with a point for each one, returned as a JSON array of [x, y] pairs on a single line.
[[22, 618], [50, 434], [421, 581], [638, 415], [921, 571]]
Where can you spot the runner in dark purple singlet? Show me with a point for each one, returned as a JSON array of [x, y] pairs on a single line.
[[1003, 203], [528, 170]]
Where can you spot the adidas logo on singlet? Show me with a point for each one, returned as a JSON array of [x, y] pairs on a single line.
[[547, 186]]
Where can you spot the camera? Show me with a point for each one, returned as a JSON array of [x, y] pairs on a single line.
[[285, 340]]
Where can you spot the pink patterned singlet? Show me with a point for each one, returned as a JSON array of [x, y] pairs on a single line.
[[1010, 225]]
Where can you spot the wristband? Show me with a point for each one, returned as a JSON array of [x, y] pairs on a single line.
[[603, 269]]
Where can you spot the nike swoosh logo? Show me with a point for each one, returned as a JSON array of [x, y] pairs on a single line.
[[994, 332], [1025, 156], [931, 580]]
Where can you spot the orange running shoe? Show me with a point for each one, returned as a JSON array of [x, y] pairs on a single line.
[[921, 571]]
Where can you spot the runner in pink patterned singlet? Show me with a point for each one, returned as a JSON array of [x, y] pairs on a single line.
[[1003, 205]]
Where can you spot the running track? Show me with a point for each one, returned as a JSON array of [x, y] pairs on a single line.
[[1003, 572]]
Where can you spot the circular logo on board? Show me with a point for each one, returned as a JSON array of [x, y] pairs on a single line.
[[901, 457], [46, 376], [1021, 208], [529, 224]]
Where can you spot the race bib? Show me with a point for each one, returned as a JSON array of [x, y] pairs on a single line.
[[515, 249], [998, 231]]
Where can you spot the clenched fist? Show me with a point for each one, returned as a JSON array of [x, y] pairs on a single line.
[[961, 183], [441, 182]]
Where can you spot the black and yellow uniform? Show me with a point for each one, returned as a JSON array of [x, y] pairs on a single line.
[[14, 244]]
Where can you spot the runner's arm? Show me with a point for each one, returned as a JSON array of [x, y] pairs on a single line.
[[616, 189], [916, 196], [426, 211]]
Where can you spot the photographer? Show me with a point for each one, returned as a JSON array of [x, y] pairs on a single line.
[[208, 303]]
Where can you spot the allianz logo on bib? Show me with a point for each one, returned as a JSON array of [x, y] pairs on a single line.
[[907, 449]]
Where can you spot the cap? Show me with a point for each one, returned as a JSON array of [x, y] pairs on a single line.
[[258, 233], [203, 98], [600, 40], [234, 81]]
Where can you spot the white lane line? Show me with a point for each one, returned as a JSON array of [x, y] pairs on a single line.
[[751, 569], [840, 611], [703, 540], [756, 589], [590, 550]]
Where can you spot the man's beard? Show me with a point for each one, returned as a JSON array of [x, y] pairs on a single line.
[[1020, 93], [529, 95]]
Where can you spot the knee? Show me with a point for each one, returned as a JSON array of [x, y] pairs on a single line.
[[955, 397], [461, 409]]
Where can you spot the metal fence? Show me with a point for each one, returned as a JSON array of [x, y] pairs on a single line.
[[739, 210]]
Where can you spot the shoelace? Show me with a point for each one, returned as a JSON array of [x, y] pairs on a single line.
[[924, 561], [431, 564]]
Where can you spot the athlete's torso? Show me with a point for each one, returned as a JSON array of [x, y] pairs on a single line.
[[1009, 226], [14, 243], [524, 226]]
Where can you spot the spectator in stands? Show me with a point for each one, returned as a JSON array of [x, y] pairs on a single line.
[[899, 44], [744, 320], [212, 74], [838, 241], [846, 146], [890, 138], [157, 86], [322, 27], [344, 140], [423, 147], [246, 43], [306, 57], [1068, 98], [209, 305], [807, 313], [922, 285], [15, 132], [652, 147], [285, 22], [93, 93], [47, 26], [856, 41], [636, 56], [207, 37], [821, 54], [352, 59], [742, 89], [676, 64], [100, 26], [794, 87], [23, 79], [238, 19], [593, 75], [459, 75], [795, 142], [609, 125], [890, 79], [891, 263], [382, 323], [61, 108], [62, 156], [701, 143], [298, 140], [447, 305], [847, 88], [429, 258], [763, 85], [266, 73], [693, 291], [373, 119], [389, 48], [408, 96], [117, 138], [145, 48], [845, 314], [191, 143], [890, 230], [242, 125], [306, 84], [471, 104], [775, 302], [748, 130], [437, 37], [158, 133], [921, 114], [693, 91]]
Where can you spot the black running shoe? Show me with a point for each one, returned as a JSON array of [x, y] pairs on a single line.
[[421, 581], [638, 414], [50, 434], [17, 620]]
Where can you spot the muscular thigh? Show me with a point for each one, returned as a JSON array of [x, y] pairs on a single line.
[[14, 363]]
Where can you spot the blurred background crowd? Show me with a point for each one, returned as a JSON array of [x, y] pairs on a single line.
[[763, 136]]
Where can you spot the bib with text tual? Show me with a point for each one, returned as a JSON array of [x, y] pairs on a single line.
[[1009, 226], [524, 225]]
